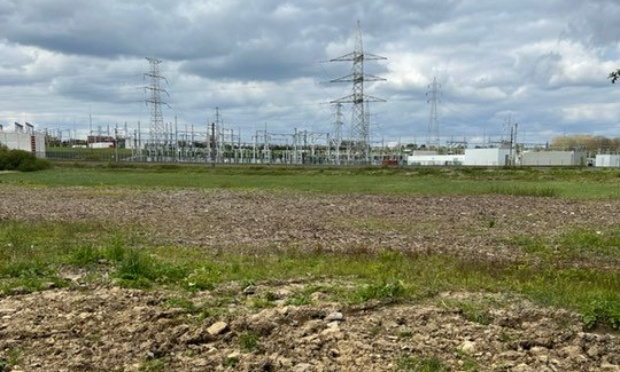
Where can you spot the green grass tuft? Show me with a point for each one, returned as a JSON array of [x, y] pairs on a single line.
[[415, 364]]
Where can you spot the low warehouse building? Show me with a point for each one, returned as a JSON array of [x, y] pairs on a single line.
[[553, 158], [607, 161], [435, 160], [496, 157]]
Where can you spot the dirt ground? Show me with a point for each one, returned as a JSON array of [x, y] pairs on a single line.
[[107, 328]]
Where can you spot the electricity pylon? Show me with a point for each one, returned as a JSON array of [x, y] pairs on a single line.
[[359, 136], [432, 138], [157, 129]]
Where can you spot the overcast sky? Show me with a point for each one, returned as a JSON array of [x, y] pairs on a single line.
[[543, 63]]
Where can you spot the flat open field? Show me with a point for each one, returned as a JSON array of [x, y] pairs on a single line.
[[272, 269]]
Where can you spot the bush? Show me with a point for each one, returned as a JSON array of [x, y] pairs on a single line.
[[21, 160]]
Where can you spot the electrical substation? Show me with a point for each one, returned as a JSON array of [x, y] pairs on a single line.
[[351, 140]]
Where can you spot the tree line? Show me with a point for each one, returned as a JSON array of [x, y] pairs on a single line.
[[590, 143]]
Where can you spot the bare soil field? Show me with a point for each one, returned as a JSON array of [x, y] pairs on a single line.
[[103, 327]]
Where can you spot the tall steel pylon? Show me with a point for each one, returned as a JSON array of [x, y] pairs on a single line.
[[432, 137], [359, 136], [157, 128], [338, 133]]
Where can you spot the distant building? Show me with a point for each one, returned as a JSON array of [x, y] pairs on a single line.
[[28, 140], [435, 160], [496, 157], [553, 158], [608, 161]]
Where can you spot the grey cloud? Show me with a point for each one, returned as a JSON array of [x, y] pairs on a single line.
[[259, 60]]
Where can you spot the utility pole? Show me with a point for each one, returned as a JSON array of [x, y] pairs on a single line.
[[359, 141], [432, 138]]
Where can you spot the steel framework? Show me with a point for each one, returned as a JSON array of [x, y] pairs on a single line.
[[432, 138], [358, 145]]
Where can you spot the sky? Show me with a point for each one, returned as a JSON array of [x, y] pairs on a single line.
[[264, 63]]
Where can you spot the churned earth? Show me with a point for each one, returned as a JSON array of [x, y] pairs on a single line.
[[102, 327]]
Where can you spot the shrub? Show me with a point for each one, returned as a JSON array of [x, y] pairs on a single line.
[[21, 161]]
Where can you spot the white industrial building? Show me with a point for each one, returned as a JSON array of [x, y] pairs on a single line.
[[28, 140], [497, 157], [435, 160], [607, 161], [553, 158]]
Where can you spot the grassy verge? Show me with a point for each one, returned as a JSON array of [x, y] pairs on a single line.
[[35, 253], [570, 183]]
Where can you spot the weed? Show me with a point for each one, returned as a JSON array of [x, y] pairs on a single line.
[[602, 311], [270, 296], [471, 365], [116, 250], [261, 303], [506, 337], [388, 290], [415, 364], [85, 255], [299, 299], [153, 365], [231, 362], [204, 277], [182, 303], [512, 190], [249, 341], [136, 264], [14, 356]]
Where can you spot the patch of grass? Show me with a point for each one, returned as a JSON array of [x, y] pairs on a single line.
[[573, 244], [137, 268], [231, 362], [474, 311], [471, 365], [388, 290], [299, 299], [86, 255], [266, 300], [249, 341], [602, 312], [182, 303], [515, 190], [416, 364], [583, 242], [32, 253], [154, 365], [14, 356], [572, 183]]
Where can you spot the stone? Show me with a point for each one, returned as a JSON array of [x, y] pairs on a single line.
[[468, 347], [217, 328], [336, 316]]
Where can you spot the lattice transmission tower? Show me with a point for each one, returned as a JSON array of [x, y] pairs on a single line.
[[338, 133], [359, 136], [433, 97], [157, 128]]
